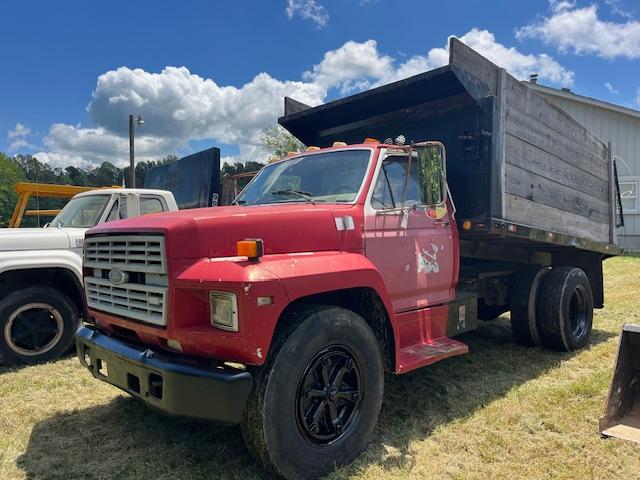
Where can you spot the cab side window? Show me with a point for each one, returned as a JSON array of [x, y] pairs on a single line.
[[390, 184], [150, 205]]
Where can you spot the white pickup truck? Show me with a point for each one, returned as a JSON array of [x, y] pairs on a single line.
[[41, 297]]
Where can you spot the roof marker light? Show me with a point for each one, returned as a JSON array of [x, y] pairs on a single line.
[[339, 144], [371, 140], [291, 154], [312, 148]]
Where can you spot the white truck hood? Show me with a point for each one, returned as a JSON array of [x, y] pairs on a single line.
[[25, 239]]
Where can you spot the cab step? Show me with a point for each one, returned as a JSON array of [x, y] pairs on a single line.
[[419, 355]]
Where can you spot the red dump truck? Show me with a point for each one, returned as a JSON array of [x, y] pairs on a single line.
[[357, 257]]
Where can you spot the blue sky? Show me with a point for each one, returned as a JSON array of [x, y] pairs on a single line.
[[208, 73]]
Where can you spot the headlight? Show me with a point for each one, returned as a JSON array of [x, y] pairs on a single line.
[[224, 310]]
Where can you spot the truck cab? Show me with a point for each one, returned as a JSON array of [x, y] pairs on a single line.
[[188, 310], [41, 298]]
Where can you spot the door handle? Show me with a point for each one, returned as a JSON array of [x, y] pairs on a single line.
[[443, 222]]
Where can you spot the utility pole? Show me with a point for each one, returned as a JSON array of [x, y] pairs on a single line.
[[132, 162]]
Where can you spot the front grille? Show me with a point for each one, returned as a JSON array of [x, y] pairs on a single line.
[[134, 253], [141, 258]]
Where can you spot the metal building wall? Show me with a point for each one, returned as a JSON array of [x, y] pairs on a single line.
[[623, 131]]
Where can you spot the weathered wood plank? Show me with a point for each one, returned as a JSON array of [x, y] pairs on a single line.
[[540, 162], [523, 211], [536, 106], [532, 130], [531, 186], [468, 62]]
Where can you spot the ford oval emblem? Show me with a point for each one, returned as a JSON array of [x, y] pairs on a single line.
[[118, 277]]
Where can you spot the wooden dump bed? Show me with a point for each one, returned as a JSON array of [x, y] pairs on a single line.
[[521, 169]]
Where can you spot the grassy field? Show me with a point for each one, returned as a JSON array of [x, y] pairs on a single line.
[[503, 411]]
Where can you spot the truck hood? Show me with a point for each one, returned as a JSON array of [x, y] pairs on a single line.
[[18, 239], [213, 232]]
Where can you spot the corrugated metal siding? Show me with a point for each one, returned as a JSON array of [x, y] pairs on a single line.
[[623, 131]]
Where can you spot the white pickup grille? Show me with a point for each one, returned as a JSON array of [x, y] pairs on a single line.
[[132, 253], [141, 258], [140, 302]]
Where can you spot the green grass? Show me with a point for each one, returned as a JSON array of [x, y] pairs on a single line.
[[503, 411]]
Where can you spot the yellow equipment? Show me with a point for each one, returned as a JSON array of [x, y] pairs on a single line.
[[26, 189], [622, 414]]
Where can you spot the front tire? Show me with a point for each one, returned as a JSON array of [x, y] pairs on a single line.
[[36, 325], [316, 400]]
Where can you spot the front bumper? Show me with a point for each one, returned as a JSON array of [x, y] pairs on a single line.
[[164, 383]]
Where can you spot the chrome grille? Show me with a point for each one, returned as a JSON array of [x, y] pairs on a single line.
[[141, 302], [133, 253], [141, 258]]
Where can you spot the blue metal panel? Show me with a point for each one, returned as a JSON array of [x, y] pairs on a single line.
[[194, 180]]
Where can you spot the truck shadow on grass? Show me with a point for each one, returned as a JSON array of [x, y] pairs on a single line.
[[124, 439], [4, 368]]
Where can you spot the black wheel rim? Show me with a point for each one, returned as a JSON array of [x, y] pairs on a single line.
[[329, 395], [33, 329], [578, 312]]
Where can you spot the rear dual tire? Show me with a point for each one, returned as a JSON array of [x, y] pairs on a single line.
[[566, 309], [552, 307], [316, 400]]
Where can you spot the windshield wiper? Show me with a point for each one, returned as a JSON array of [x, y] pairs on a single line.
[[297, 193]]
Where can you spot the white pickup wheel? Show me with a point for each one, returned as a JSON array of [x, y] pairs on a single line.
[[36, 325]]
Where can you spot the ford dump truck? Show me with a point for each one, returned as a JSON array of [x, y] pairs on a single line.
[[41, 296], [357, 257]]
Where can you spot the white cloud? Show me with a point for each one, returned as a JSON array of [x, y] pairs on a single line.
[[581, 31], [308, 10], [561, 5], [356, 66], [18, 138], [614, 5], [179, 106], [183, 106], [350, 67], [518, 64], [19, 131], [611, 89]]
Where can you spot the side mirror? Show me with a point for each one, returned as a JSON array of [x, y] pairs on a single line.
[[431, 165]]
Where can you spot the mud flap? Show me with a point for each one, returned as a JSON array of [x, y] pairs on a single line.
[[622, 413]]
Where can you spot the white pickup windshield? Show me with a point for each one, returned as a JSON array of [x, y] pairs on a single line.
[[81, 212], [331, 177]]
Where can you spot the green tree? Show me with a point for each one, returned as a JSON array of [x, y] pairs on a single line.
[[35, 170], [10, 173]]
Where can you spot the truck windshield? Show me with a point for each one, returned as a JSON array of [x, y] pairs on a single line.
[[81, 212], [332, 177]]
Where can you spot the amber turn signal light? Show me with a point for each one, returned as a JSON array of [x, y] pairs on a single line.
[[251, 248]]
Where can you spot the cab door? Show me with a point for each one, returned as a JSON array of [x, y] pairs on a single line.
[[407, 229]]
